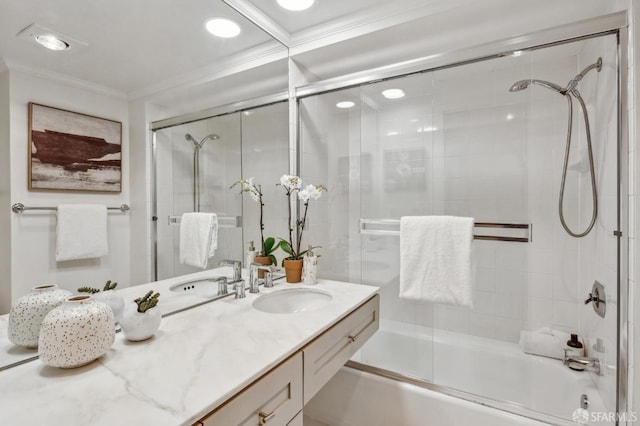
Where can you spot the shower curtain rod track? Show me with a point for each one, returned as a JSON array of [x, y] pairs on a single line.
[[392, 227], [19, 208]]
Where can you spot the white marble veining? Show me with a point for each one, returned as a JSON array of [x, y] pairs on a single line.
[[197, 360]]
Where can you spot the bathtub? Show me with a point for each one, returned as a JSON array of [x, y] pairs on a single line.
[[487, 371]]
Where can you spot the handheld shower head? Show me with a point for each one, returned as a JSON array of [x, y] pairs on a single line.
[[197, 144], [523, 84]]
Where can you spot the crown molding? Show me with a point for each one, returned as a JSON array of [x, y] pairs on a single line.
[[376, 19], [246, 60], [63, 79]]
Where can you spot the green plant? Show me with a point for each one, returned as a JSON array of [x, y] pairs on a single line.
[[109, 286], [147, 301], [92, 290], [268, 245]]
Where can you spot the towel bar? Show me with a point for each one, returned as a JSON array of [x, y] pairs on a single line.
[[19, 208], [392, 227], [223, 221]]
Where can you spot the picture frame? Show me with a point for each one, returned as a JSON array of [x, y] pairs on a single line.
[[72, 151]]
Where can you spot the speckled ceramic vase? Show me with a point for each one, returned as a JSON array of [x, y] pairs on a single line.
[[112, 299], [27, 314], [75, 333], [138, 326]]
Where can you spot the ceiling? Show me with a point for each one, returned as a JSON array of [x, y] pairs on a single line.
[[141, 47], [151, 48]]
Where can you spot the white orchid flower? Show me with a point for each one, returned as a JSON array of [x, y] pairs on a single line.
[[291, 182]]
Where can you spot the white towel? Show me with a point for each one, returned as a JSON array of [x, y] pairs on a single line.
[[544, 342], [198, 238], [81, 231], [436, 259]]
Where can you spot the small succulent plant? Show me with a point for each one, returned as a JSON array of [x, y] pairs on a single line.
[[147, 301], [92, 290]]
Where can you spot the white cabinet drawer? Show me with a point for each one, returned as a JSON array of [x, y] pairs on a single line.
[[273, 400], [324, 356]]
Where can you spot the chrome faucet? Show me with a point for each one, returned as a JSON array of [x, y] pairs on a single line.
[[239, 288], [576, 362], [237, 271], [253, 276], [222, 286]]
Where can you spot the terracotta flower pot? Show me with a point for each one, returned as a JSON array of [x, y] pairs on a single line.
[[293, 270], [263, 260]]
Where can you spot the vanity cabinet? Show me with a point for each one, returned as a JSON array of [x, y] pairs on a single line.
[[274, 399], [277, 398], [330, 351]]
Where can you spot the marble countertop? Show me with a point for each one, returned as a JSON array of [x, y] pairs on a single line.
[[196, 361]]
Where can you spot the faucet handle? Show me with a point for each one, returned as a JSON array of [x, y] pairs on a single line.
[[239, 288], [222, 286], [268, 279]]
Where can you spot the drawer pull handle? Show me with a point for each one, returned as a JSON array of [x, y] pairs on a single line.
[[264, 417], [353, 338]]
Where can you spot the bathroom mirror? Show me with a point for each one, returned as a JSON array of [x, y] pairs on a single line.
[[134, 62]]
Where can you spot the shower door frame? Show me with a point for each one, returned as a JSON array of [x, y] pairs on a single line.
[[612, 24]]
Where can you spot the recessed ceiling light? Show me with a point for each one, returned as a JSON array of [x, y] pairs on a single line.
[[427, 129], [510, 116], [393, 93], [296, 4], [393, 133], [345, 104], [52, 42], [222, 27]]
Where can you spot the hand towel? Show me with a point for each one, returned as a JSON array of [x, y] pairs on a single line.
[[198, 238], [81, 231], [436, 259], [544, 342]]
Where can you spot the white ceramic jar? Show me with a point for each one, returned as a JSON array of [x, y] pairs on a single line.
[[75, 333], [138, 326], [25, 317], [112, 299]]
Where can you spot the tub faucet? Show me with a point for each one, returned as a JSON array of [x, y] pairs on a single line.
[[253, 276], [236, 264], [582, 362]]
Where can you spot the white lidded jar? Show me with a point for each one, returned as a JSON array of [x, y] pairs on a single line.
[[25, 317], [75, 333]]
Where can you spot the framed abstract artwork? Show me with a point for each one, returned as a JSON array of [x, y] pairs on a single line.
[[71, 151]]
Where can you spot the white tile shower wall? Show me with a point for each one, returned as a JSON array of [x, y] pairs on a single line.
[[5, 190]]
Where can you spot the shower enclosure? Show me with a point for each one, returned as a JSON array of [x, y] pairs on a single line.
[[456, 141], [195, 165]]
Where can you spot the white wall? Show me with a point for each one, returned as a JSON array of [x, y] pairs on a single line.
[[5, 181], [33, 233]]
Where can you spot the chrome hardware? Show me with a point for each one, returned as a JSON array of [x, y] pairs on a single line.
[[598, 298], [237, 265], [239, 288], [20, 208], [253, 276], [268, 279], [584, 401], [222, 286], [580, 363], [265, 417]]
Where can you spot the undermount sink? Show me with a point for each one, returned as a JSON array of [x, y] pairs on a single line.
[[292, 300], [207, 287]]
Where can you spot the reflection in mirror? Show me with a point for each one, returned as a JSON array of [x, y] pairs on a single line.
[[197, 163], [135, 74]]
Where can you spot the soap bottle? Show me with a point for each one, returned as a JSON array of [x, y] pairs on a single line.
[[250, 255], [310, 267], [574, 348]]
